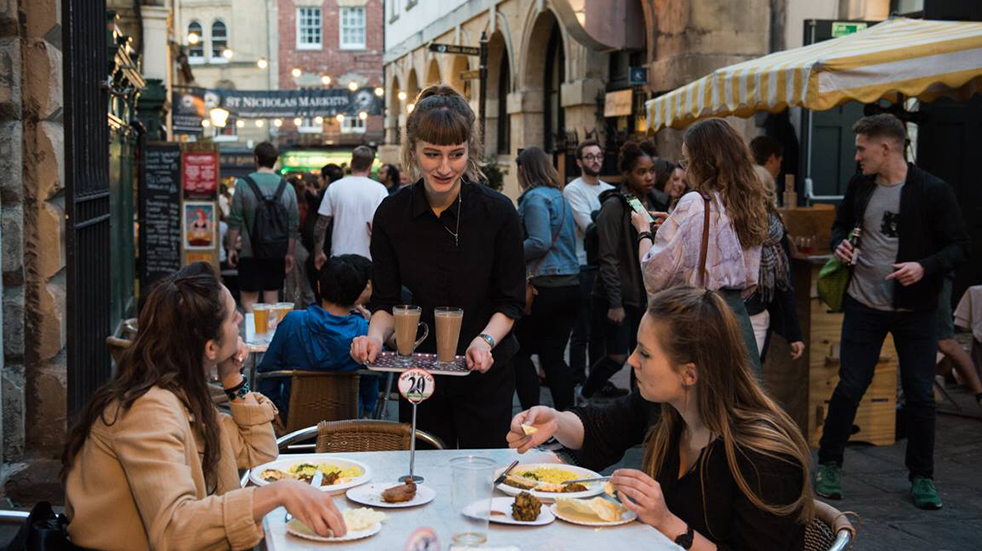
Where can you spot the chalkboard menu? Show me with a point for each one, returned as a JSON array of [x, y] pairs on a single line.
[[160, 213]]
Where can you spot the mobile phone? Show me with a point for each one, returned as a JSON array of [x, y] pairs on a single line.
[[638, 207]]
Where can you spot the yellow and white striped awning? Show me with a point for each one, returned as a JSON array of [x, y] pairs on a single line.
[[916, 58]]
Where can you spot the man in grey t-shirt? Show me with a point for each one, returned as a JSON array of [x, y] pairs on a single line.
[[879, 243]]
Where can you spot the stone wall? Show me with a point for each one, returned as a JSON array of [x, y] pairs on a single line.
[[33, 202]]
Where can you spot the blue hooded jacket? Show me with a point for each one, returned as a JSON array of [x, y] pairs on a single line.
[[313, 340]]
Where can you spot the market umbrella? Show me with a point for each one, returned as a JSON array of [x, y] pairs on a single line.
[[909, 57]]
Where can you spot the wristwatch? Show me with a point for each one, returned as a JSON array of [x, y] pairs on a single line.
[[488, 339], [685, 540]]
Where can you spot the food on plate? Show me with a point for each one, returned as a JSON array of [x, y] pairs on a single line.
[[561, 488], [529, 429], [497, 513], [333, 474], [401, 493], [526, 507], [549, 475], [362, 518], [520, 482], [609, 489], [272, 475], [598, 507]]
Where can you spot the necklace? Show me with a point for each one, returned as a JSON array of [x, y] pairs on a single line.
[[460, 203]]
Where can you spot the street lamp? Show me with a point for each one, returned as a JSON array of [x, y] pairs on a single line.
[[193, 38], [262, 63], [296, 72], [218, 117], [401, 96], [277, 122], [326, 80], [227, 53], [352, 86], [379, 92], [363, 115]]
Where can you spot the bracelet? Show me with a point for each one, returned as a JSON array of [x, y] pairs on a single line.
[[488, 339], [645, 235], [238, 391]]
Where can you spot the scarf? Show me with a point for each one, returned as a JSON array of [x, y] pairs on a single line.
[[775, 270]]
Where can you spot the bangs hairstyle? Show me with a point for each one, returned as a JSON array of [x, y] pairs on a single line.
[[443, 117]]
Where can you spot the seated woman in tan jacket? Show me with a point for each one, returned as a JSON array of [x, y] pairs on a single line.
[[152, 464]]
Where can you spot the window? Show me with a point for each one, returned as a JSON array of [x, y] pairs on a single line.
[[310, 126], [393, 10], [353, 28], [219, 41], [196, 52], [352, 125], [309, 29]]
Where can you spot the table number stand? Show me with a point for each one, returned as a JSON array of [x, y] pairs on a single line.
[[415, 385]]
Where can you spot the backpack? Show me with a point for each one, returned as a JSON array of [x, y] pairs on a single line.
[[270, 233], [591, 241]]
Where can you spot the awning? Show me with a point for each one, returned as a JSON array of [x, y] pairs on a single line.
[[915, 58]]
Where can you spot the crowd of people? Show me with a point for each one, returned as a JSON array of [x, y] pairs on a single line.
[[678, 272]]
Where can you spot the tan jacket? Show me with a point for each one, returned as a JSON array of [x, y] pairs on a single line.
[[138, 483]]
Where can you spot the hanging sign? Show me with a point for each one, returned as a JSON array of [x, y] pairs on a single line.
[[416, 385], [200, 175]]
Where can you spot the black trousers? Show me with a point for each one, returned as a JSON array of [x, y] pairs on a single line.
[[471, 413], [617, 339], [586, 342], [915, 337], [545, 332]]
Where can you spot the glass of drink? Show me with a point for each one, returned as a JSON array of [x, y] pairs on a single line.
[[279, 311], [472, 485], [260, 313], [447, 332], [406, 326]]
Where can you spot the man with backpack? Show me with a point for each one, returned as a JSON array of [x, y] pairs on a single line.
[[267, 207]]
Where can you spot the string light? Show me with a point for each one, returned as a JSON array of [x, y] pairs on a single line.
[[379, 92], [340, 117], [318, 120], [193, 38], [240, 123], [227, 53], [326, 80], [262, 63], [363, 115], [277, 122], [260, 123], [297, 121], [352, 86], [296, 72], [205, 123], [401, 96]]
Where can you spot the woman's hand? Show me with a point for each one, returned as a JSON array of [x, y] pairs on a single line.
[[797, 349], [616, 316], [542, 418], [640, 222], [479, 356], [659, 217], [365, 349], [648, 500], [232, 367], [312, 507]]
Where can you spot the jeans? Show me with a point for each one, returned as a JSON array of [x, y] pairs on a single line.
[[584, 331], [545, 332], [915, 337], [618, 340]]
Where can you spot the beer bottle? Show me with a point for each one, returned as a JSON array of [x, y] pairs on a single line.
[[854, 241]]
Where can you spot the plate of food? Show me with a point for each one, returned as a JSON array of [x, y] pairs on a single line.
[[523, 510], [391, 494], [545, 481], [339, 474], [597, 511], [361, 523]]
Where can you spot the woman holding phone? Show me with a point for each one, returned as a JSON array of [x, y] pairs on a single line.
[[451, 241], [618, 296]]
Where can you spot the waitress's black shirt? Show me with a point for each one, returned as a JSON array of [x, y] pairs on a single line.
[[708, 498], [483, 273]]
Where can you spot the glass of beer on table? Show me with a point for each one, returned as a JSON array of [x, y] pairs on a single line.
[[406, 319], [447, 322], [279, 311], [260, 316]]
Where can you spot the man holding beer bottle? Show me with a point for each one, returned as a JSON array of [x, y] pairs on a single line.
[[912, 235]]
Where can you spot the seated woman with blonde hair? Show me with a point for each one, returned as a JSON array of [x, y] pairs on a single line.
[[724, 467], [152, 464]]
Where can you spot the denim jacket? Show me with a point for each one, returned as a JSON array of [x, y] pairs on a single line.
[[541, 211]]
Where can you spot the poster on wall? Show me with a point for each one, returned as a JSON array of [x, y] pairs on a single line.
[[199, 225], [200, 175]]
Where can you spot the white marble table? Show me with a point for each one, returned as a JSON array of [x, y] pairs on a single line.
[[438, 515]]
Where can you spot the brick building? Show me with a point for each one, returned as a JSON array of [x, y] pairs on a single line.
[[337, 43]]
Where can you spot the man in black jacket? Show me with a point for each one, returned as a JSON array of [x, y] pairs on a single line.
[[912, 234]]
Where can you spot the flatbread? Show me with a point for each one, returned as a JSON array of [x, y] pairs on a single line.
[[529, 429], [598, 507]]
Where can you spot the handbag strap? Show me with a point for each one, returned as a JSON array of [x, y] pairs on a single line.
[[705, 243], [555, 237]]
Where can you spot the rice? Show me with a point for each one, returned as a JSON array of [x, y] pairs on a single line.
[[308, 469], [549, 475], [362, 518]]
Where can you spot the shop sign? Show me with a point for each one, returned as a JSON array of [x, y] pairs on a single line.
[[619, 103]]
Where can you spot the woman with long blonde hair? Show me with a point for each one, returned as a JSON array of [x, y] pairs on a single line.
[[720, 169], [723, 464]]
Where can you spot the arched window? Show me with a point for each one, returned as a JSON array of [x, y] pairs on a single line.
[[553, 111], [219, 40], [196, 42], [504, 121]]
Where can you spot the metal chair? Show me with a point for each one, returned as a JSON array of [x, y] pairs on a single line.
[[830, 530], [318, 395], [368, 436]]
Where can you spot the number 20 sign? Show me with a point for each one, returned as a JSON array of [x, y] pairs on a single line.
[[416, 385]]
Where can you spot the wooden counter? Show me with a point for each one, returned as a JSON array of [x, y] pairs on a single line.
[[804, 386]]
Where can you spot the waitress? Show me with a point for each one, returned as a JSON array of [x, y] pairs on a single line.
[[451, 242]]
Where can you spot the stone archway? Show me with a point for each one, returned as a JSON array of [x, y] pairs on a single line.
[[395, 110], [457, 66], [498, 131], [543, 75], [433, 73], [412, 88]]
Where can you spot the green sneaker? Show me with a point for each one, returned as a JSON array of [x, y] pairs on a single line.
[[828, 481], [925, 494]]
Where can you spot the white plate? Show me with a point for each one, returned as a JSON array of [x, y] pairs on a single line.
[[300, 530], [371, 495], [287, 461], [593, 488], [479, 511], [584, 520]]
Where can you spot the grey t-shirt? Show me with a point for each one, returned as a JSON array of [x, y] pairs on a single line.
[[878, 245]]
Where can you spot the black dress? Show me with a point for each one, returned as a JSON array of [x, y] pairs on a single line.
[[726, 517], [482, 271]]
